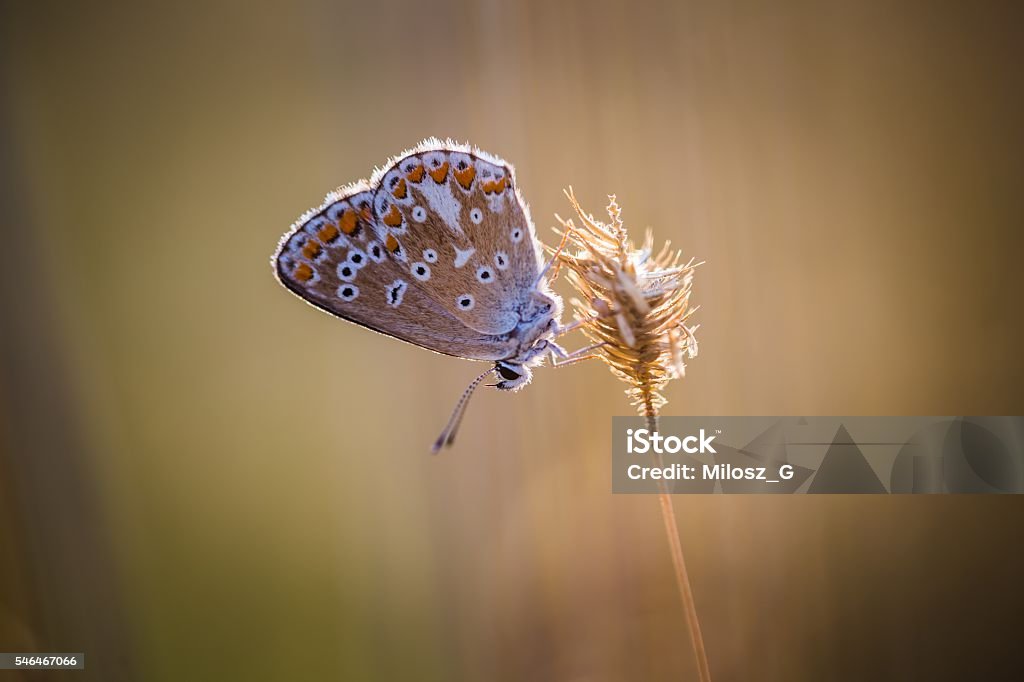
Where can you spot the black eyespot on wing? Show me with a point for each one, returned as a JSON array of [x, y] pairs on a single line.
[[357, 258]]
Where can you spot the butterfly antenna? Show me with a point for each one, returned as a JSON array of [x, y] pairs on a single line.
[[447, 436]]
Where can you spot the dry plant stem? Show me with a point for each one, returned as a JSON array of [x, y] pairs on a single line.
[[634, 306], [679, 563]]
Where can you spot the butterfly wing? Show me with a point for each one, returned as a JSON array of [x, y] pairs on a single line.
[[464, 232], [341, 259]]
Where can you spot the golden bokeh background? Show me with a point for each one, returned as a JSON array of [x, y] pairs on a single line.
[[201, 478]]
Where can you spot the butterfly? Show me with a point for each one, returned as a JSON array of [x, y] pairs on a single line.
[[437, 249]]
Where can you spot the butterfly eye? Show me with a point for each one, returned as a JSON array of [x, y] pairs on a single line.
[[419, 214], [501, 260], [348, 292], [466, 302], [421, 271], [507, 373], [476, 215], [517, 235], [430, 255], [485, 274]]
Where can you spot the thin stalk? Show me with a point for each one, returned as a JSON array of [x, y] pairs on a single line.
[[678, 561], [635, 308]]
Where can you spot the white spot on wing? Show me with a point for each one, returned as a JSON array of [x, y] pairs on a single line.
[[463, 256], [395, 293], [356, 258], [347, 271], [496, 202], [420, 271], [443, 203], [348, 292], [376, 252]]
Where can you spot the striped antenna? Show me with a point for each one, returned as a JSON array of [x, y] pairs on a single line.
[[447, 436]]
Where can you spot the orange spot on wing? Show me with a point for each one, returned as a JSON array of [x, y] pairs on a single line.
[[364, 212], [391, 244], [496, 186], [416, 174], [348, 221], [303, 272], [400, 189], [465, 176], [327, 234], [493, 186], [311, 249], [440, 173], [393, 218]]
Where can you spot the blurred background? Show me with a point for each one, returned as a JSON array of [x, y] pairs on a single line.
[[202, 478]]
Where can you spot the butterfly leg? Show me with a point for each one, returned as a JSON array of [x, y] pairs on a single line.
[[560, 358], [573, 326], [556, 351]]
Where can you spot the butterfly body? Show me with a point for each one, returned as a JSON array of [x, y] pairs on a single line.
[[438, 250]]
